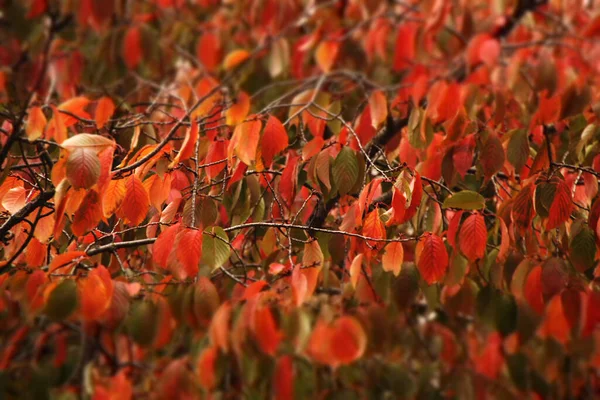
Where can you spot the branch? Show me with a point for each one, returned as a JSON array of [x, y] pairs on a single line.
[[142, 242], [20, 215]]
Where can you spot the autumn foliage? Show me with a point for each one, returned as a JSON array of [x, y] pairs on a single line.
[[281, 199]]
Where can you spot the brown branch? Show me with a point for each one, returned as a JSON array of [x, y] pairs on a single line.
[[20, 215]]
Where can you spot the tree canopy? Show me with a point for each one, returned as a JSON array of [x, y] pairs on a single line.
[[299, 198]]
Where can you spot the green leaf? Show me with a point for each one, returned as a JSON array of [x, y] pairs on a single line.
[[465, 200], [62, 301], [142, 323], [345, 170], [583, 249], [215, 247], [518, 149]]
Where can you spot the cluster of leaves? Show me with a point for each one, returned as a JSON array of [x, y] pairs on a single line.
[[265, 198]]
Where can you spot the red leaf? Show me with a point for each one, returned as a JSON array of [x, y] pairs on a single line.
[[283, 381], [398, 207], [289, 180], [533, 290], [216, 152], [473, 237], [404, 50], [164, 245], [522, 210], [132, 47], [561, 207], [453, 228], [208, 51], [188, 252], [274, 140], [432, 258], [265, 331], [444, 101], [483, 48], [207, 365], [489, 362]]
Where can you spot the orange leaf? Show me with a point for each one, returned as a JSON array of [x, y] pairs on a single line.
[[219, 327], [14, 199], [35, 253], [136, 202], [245, 141], [56, 127], [36, 123], [88, 215], [326, 54], [378, 105], [348, 340], [188, 146], [235, 58], [95, 293], [555, 322], [355, 269], [373, 227], [113, 197], [417, 194], [104, 111], [505, 243], [393, 257], [238, 110], [274, 140], [158, 189], [75, 106], [63, 260], [164, 244], [473, 237], [432, 258]]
